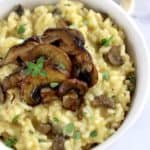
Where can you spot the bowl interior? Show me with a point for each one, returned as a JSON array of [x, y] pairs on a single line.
[[137, 47]]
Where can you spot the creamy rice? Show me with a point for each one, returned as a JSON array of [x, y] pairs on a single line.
[[102, 120]]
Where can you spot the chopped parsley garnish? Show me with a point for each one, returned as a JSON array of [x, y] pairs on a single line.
[[105, 75], [54, 84], [77, 135], [36, 69], [56, 119], [106, 41], [21, 29], [10, 142], [15, 118], [69, 128], [93, 134]]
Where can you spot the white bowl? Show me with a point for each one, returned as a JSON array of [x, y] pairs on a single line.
[[138, 47]]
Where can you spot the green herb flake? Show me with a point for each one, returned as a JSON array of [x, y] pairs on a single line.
[[106, 41], [67, 4], [31, 132], [15, 118], [21, 29], [105, 75], [11, 142], [54, 84], [56, 119], [72, 26], [36, 69], [93, 133], [69, 128], [77, 135], [41, 140], [43, 73]]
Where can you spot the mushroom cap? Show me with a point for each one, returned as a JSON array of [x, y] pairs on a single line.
[[73, 84], [70, 41], [113, 57], [19, 50]]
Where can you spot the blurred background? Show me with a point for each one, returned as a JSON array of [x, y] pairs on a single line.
[[138, 137]]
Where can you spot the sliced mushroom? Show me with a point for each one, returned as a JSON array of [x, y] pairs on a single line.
[[44, 128], [12, 81], [73, 84], [79, 38], [17, 51], [43, 94], [21, 63], [30, 84], [2, 96], [48, 95], [71, 101], [113, 57], [72, 92], [103, 101], [84, 70], [56, 57], [58, 143], [71, 43]]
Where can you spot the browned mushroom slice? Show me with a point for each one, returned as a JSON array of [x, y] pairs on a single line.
[[71, 101], [82, 62], [84, 70], [73, 84], [18, 50], [48, 95], [70, 43], [44, 94], [103, 101], [44, 128], [58, 143], [30, 84], [56, 57], [12, 81], [72, 92], [113, 57], [2, 97], [78, 35]]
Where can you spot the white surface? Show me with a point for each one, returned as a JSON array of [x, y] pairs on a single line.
[[138, 137]]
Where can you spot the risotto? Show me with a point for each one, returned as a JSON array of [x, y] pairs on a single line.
[[79, 108]]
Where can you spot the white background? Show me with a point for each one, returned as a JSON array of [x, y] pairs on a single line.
[[138, 137]]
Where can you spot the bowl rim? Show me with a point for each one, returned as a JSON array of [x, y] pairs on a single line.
[[130, 118]]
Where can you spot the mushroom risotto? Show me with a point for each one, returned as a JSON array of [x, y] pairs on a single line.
[[66, 79]]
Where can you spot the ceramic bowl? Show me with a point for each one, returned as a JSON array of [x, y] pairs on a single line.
[[137, 48]]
